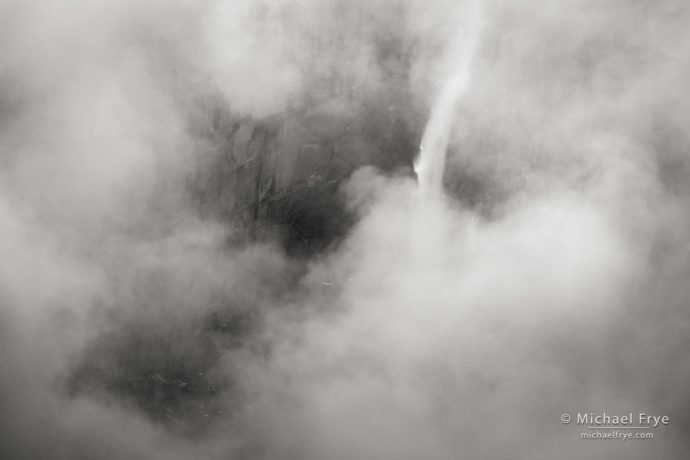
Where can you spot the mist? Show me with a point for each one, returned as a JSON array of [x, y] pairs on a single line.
[[334, 229]]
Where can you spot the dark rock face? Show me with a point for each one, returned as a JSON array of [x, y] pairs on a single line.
[[281, 175]]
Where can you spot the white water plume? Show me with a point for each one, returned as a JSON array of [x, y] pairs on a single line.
[[429, 165]]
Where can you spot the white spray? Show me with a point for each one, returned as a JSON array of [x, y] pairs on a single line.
[[430, 163]]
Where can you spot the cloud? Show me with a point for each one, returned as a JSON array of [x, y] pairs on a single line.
[[549, 279]]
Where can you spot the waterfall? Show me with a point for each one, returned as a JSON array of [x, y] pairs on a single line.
[[430, 163]]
